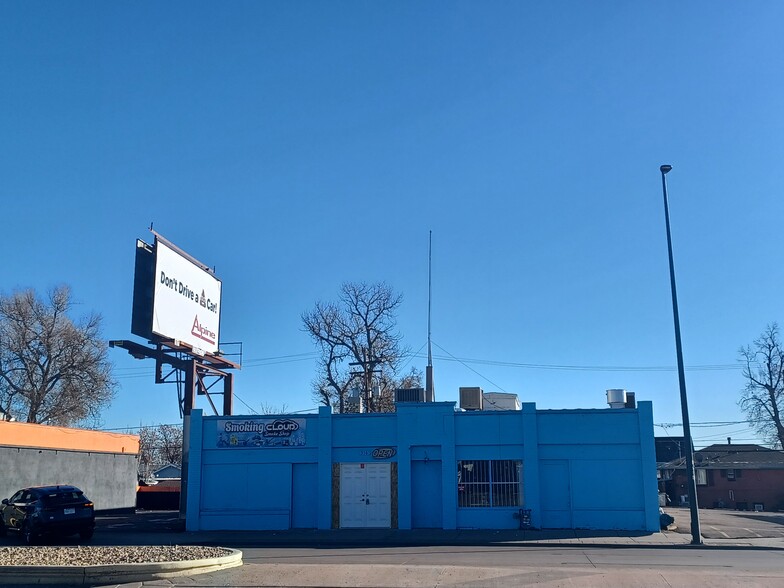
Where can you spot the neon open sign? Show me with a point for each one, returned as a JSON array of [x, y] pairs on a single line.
[[383, 452]]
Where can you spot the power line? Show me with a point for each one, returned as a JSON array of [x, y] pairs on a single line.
[[248, 406], [141, 427], [297, 357], [469, 367], [280, 359], [412, 356], [703, 424], [596, 368]]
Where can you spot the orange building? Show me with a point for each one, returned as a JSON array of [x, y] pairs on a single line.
[[102, 464]]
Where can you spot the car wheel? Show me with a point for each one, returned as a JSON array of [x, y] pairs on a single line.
[[28, 535], [86, 533], [2, 528]]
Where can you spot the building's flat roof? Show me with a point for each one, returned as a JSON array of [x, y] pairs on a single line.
[[15, 434]]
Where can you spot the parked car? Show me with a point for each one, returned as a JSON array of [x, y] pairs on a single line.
[[47, 510]]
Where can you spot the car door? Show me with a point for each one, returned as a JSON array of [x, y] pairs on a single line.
[[12, 512]]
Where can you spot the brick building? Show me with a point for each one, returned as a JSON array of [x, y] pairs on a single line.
[[742, 477]]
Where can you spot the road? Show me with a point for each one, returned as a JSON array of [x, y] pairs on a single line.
[[554, 559], [471, 566]]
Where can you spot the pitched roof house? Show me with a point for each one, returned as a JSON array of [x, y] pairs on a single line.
[[742, 477]]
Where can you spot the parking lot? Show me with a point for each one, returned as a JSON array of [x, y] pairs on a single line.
[[731, 524], [140, 527], [141, 521]]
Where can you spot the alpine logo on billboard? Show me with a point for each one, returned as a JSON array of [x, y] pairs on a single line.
[[202, 332]]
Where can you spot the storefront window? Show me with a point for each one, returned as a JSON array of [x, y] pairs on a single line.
[[489, 483]]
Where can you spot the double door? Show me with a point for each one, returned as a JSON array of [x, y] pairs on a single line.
[[365, 495]]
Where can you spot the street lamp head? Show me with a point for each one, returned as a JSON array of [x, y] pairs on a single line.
[[665, 168]]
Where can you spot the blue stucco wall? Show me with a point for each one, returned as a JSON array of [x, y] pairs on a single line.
[[592, 469]]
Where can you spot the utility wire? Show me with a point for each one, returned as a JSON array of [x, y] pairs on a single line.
[[595, 368], [412, 356], [246, 404], [703, 424], [280, 359], [468, 366], [297, 357]]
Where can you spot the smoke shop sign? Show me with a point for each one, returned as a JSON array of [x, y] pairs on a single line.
[[282, 432]]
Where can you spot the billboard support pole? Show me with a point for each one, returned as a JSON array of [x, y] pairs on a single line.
[[176, 308], [228, 394], [186, 452], [190, 388]]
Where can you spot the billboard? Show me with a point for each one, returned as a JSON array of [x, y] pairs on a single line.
[[275, 432], [175, 297], [186, 300]]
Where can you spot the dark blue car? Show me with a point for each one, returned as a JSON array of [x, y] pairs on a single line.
[[47, 510]]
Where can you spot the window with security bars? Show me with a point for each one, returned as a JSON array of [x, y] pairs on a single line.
[[483, 482]]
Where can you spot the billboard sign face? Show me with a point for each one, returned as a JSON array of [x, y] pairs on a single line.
[[252, 433], [186, 300]]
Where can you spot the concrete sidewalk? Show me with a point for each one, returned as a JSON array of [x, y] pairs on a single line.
[[380, 538], [166, 528]]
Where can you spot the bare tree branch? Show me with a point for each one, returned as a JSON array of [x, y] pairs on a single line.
[[762, 397], [359, 329], [159, 446], [52, 370]]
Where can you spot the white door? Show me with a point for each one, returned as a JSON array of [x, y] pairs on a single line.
[[379, 498], [365, 495], [352, 495]]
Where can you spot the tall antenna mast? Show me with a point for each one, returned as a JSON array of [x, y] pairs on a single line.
[[429, 392]]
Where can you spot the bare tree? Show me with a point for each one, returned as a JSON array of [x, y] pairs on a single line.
[[385, 401], [52, 370], [147, 453], [267, 408], [764, 372], [358, 343], [159, 446], [170, 444]]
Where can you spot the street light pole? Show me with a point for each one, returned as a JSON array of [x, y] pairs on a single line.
[[696, 536]]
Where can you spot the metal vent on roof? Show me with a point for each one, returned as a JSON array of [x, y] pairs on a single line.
[[471, 398], [410, 395]]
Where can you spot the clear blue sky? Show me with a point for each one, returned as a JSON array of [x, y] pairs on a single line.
[[297, 145]]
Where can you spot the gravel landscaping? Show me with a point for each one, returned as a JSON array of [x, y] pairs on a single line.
[[97, 556]]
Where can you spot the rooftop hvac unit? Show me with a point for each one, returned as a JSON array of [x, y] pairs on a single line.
[[616, 398], [410, 395], [471, 398], [500, 401]]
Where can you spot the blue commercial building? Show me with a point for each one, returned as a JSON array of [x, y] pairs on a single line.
[[425, 466]]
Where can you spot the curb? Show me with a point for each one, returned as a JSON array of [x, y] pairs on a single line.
[[116, 573]]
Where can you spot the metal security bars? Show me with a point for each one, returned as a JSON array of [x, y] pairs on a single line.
[[489, 483]]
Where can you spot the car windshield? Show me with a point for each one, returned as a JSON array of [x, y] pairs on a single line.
[[61, 497]]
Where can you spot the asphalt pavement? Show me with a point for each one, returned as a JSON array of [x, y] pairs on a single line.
[[721, 524], [387, 557]]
